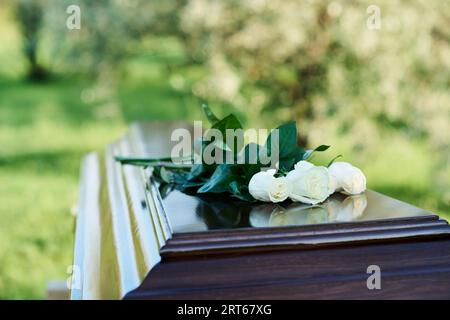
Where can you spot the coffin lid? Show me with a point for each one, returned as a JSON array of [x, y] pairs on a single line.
[[125, 226]]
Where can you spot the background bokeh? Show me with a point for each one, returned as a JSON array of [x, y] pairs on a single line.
[[381, 98]]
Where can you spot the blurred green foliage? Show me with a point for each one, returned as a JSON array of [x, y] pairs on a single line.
[[379, 97]]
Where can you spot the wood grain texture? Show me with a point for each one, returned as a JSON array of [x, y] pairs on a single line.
[[412, 270], [298, 237]]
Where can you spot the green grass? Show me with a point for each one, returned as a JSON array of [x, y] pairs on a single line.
[[44, 132], [45, 129]]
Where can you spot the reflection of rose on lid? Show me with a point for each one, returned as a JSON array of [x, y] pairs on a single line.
[[296, 214], [260, 215], [333, 210], [350, 209], [299, 215]]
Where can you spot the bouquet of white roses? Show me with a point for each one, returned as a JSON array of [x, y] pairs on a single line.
[[246, 176], [307, 183]]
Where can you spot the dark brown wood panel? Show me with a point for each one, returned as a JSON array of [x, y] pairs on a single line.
[[409, 270], [397, 286], [309, 240], [272, 232]]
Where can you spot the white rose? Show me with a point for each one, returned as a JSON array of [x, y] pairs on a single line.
[[332, 184], [310, 184], [348, 179], [263, 186], [303, 166]]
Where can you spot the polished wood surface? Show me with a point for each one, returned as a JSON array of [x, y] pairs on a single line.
[[132, 242], [411, 270], [214, 212]]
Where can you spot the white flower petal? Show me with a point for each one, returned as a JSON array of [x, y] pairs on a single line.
[[280, 189], [303, 165], [263, 186], [349, 179], [309, 185]]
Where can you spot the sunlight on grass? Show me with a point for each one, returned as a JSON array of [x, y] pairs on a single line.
[[44, 132], [38, 224], [43, 139], [12, 64]]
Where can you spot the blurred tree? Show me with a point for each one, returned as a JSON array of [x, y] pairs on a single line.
[[316, 61], [30, 15], [319, 63], [111, 32]]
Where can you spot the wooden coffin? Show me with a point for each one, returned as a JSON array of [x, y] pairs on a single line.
[[134, 242]]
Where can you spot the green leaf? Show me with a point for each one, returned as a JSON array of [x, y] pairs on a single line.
[[309, 153], [196, 170], [165, 175], [322, 148], [251, 158], [229, 122], [165, 189], [219, 181], [287, 139], [240, 191], [172, 175], [156, 162], [191, 184], [142, 161], [209, 114], [290, 153], [287, 163], [221, 145], [299, 153], [234, 187], [252, 163]]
